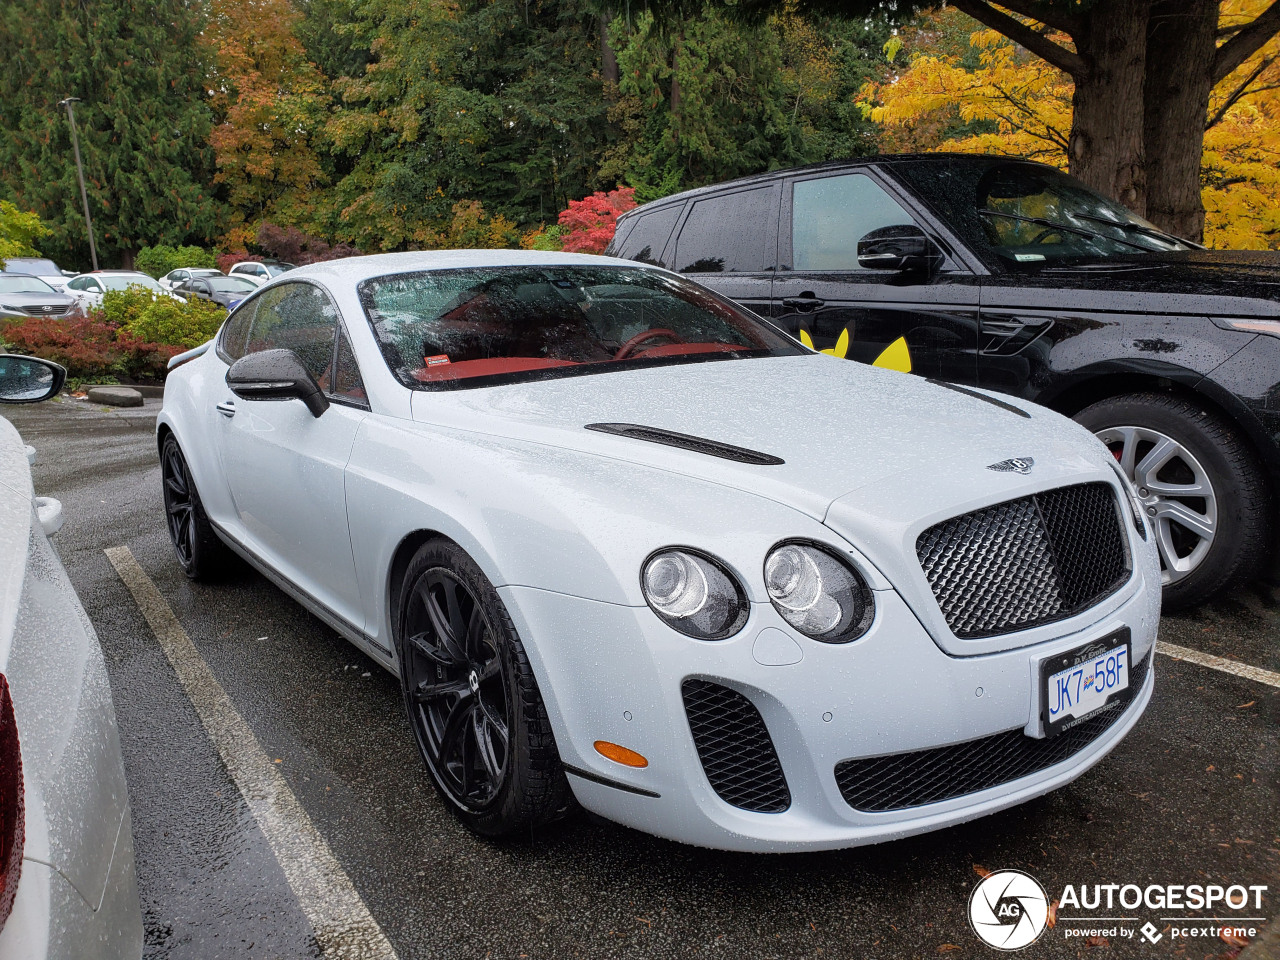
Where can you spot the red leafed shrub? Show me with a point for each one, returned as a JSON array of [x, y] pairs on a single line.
[[228, 260], [589, 223], [293, 246], [88, 346]]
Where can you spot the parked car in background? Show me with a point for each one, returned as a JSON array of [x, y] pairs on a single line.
[[45, 269], [564, 498], [67, 886], [88, 288], [175, 277], [224, 291], [22, 296], [1012, 276], [260, 271]]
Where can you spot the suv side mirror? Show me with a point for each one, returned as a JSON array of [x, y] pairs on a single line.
[[901, 247], [29, 380], [276, 375]]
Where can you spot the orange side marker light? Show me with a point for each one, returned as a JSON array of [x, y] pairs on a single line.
[[628, 758]]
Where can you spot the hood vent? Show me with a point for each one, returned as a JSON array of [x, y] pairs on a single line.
[[712, 448]]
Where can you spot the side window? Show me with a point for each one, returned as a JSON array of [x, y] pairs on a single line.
[[731, 233], [301, 318], [831, 214], [95, 286], [649, 236], [347, 383], [234, 341], [77, 284]]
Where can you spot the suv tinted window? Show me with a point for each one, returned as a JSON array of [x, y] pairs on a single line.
[[301, 318], [830, 215], [646, 240], [731, 233]]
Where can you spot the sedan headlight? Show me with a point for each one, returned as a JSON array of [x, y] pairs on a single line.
[[694, 594], [818, 593]]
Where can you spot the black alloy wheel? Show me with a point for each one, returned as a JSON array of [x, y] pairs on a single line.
[[199, 551], [472, 700]]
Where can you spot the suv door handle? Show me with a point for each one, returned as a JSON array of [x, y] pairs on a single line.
[[227, 408], [804, 302]]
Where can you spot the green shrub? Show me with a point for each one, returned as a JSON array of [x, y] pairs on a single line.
[[121, 307], [170, 322], [160, 259]]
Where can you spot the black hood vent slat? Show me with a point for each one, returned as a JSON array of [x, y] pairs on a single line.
[[712, 448]]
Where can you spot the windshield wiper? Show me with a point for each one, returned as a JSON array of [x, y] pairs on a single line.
[[1137, 228], [1065, 228]]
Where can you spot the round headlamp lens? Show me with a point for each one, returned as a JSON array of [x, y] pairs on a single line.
[[817, 593], [694, 594]]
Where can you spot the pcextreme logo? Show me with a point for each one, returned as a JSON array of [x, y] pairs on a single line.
[[1010, 910]]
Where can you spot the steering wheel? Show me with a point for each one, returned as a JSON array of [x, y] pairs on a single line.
[[1047, 232], [655, 333]]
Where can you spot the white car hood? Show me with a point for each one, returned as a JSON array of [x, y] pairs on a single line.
[[839, 426]]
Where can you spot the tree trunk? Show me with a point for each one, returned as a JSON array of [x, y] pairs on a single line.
[[1106, 149], [608, 58], [1180, 49]]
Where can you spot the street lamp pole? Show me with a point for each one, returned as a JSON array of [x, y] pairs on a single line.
[[84, 196]]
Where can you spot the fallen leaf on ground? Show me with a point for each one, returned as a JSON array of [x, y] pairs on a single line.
[[1242, 706], [1098, 942], [981, 871], [1053, 915], [1229, 936], [948, 947]]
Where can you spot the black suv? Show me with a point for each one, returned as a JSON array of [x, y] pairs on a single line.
[[1009, 275]]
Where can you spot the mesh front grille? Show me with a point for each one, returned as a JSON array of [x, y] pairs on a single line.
[[735, 748], [1025, 562], [51, 311], [903, 780]]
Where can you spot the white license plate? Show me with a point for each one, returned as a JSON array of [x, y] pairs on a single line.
[[1078, 684]]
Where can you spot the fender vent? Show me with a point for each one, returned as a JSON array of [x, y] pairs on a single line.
[[712, 448]]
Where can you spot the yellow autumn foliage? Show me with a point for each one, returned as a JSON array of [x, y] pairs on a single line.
[[975, 91]]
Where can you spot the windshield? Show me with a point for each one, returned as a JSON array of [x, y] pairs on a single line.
[[477, 327], [38, 268], [21, 284], [275, 269], [231, 285], [1027, 214], [129, 280]]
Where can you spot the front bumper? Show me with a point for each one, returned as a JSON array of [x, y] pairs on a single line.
[[614, 673]]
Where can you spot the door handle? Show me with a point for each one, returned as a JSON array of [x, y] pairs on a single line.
[[227, 408], [804, 302]]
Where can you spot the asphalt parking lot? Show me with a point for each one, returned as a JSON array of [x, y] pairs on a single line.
[[1191, 796]]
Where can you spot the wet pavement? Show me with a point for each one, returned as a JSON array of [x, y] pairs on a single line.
[[1191, 796]]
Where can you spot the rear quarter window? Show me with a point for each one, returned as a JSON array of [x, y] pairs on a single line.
[[647, 239], [730, 233]]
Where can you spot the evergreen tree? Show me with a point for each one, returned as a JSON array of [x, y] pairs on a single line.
[[143, 119]]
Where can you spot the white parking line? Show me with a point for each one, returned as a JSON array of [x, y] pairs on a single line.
[[1269, 677], [341, 922]]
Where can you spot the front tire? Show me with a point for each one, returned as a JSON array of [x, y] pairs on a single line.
[[200, 553], [472, 699], [1204, 492]]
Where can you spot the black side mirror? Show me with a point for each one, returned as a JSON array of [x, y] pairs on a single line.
[[29, 380], [901, 247], [276, 375]]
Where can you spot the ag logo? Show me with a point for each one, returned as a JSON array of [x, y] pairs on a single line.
[[1008, 910]]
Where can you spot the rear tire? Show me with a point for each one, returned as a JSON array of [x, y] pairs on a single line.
[[1212, 510], [472, 700], [201, 554]]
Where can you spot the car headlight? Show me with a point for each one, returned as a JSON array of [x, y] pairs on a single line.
[[694, 594], [818, 593], [1135, 505]]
